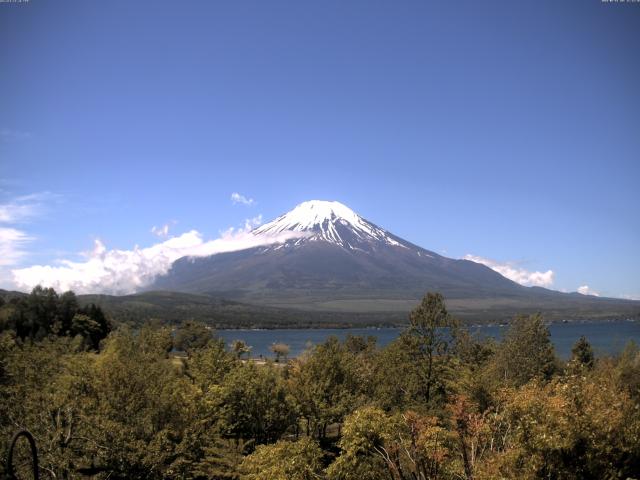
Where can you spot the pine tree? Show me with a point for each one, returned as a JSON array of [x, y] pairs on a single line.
[[582, 353], [429, 335]]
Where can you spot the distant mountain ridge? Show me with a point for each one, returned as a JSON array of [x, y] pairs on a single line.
[[341, 262]]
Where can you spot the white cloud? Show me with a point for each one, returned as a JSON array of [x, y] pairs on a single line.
[[24, 207], [238, 198], [162, 232], [251, 223], [126, 271], [12, 243], [515, 273], [586, 290]]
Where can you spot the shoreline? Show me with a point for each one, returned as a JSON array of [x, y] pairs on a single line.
[[371, 327]]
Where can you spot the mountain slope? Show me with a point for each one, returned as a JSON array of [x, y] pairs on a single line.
[[342, 262], [173, 308], [338, 253]]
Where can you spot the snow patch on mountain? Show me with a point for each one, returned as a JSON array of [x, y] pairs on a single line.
[[319, 220]]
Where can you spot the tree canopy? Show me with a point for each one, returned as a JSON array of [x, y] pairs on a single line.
[[43, 313], [437, 403]]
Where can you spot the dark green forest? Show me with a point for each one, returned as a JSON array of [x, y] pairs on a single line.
[[114, 402], [44, 313]]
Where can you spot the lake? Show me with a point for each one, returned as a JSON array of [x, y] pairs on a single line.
[[605, 337]]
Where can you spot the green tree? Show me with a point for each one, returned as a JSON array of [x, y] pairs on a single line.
[[87, 328], [96, 313], [192, 336], [208, 367], [362, 447], [431, 329], [627, 370], [398, 379], [240, 348], [525, 353], [41, 311], [582, 353], [326, 385], [67, 308], [579, 426], [376, 445], [285, 460], [474, 375], [280, 350], [153, 339], [202, 452], [44, 313], [141, 407], [252, 404], [45, 393], [357, 344]]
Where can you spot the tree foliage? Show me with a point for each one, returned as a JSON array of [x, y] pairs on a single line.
[[526, 353], [376, 445], [429, 338], [437, 403], [254, 404], [43, 313], [240, 348], [582, 353], [285, 460], [325, 385], [280, 350]]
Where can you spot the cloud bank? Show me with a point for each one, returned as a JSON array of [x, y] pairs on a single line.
[[122, 272], [517, 274]]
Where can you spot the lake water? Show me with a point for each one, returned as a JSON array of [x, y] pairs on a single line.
[[605, 337]]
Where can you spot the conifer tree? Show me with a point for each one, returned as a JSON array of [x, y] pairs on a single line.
[[430, 329], [582, 353]]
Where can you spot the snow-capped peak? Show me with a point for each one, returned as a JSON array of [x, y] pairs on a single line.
[[327, 221], [314, 212]]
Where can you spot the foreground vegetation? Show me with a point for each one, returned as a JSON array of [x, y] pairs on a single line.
[[434, 404]]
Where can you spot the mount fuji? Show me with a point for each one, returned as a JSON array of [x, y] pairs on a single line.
[[336, 261]]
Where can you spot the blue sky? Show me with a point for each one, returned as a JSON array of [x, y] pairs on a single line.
[[504, 130]]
